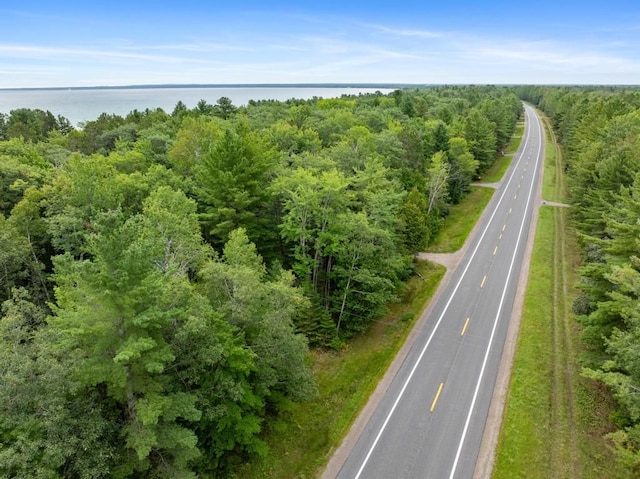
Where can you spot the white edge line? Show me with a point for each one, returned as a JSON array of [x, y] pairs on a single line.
[[495, 323], [435, 328]]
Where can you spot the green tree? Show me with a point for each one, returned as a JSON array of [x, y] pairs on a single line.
[[462, 169], [48, 428], [365, 272], [26, 218], [292, 140], [14, 255], [34, 125], [224, 108], [600, 132], [416, 223], [437, 182], [503, 113], [264, 311], [436, 138], [179, 110], [194, 140], [99, 135], [3, 127], [311, 201], [233, 179], [299, 115], [332, 124], [204, 108], [127, 313], [22, 166], [605, 165], [479, 132]]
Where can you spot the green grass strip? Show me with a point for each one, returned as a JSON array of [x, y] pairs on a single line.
[[555, 420], [461, 220], [524, 447]]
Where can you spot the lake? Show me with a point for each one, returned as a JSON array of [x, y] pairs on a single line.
[[80, 105]]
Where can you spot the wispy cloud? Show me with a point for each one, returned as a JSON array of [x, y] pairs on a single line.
[[399, 32], [49, 53], [196, 47], [548, 53], [347, 48]]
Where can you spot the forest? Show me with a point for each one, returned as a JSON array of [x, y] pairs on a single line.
[[164, 274], [599, 129]]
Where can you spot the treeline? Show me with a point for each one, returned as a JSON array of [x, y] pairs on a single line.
[[600, 132], [162, 274]]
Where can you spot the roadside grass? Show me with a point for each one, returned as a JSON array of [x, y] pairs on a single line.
[[553, 188], [302, 438], [524, 446], [554, 419], [460, 221]]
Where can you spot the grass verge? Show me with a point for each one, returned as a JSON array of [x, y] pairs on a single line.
[[554, 419], [461, 220], [524, 445], [302, 438]]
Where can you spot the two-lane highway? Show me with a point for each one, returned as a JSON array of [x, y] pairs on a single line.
[[430, 420]]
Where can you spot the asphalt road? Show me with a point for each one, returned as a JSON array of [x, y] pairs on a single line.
[[429, 422]]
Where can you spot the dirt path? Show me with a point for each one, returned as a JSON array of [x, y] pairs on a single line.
[[565, 454]]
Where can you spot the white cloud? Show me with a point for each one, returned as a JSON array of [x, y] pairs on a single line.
[[408, 32], [552, 55], [196, 47], [47, 53]]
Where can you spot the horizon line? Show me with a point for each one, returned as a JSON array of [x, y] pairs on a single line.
[[385, 85]]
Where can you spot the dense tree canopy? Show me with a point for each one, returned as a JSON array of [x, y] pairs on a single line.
[[162, 275], [600, 132]]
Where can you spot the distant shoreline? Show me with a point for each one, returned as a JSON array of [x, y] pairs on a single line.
[[82, 104], [385, 86]]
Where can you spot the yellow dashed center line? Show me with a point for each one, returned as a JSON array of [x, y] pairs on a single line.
[[504, 227], [435, 399], [510, 210], [495, 250], [500, 236], [464, 328], [483, 280]]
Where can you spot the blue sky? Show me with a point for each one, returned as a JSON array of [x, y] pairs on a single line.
[[155, 42]]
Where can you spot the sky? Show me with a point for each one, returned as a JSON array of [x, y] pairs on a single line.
[[141, 42]]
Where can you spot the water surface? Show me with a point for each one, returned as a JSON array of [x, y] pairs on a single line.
[[85, 105]]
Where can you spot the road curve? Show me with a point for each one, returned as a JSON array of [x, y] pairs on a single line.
[[429, 421]]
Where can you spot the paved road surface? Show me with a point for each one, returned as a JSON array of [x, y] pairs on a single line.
[[430, 421]]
